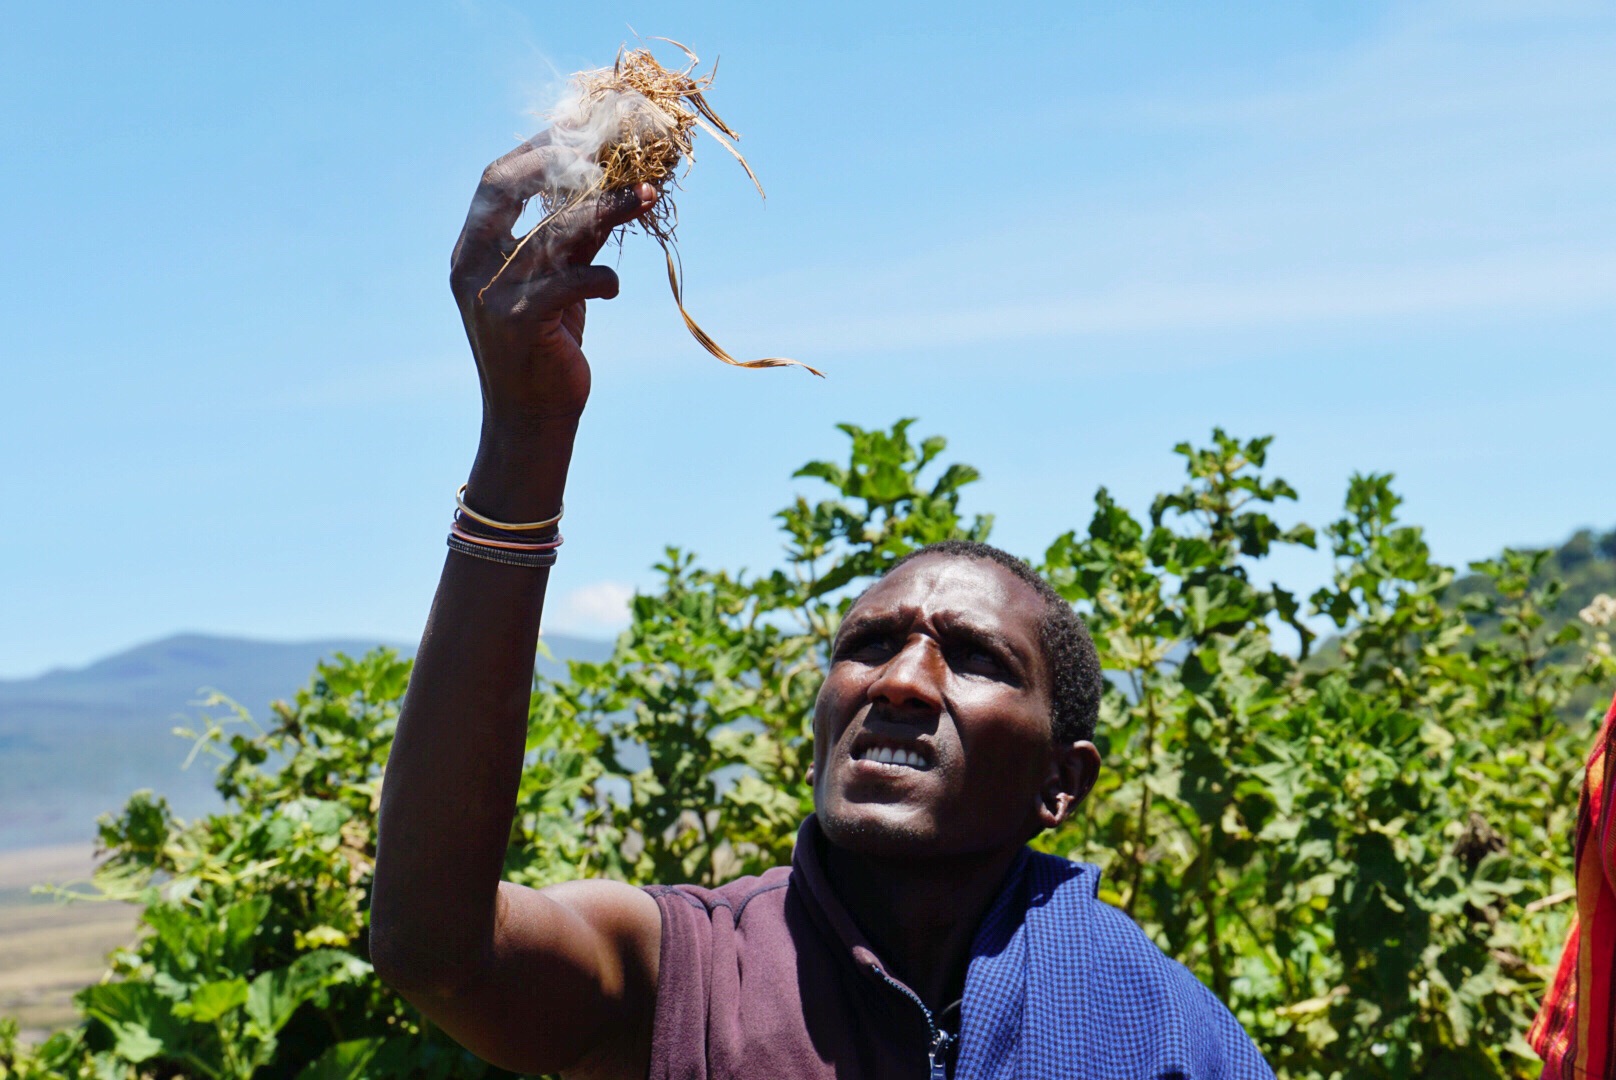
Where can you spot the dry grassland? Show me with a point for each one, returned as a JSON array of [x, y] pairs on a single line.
[[50, 949]]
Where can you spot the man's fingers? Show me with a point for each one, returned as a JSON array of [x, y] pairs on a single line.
[[487, 251], [566, 286], [578, 235], [510, 182], [575, 236], [624, 205]]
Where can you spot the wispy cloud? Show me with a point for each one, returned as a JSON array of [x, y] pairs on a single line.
[[1459, 162], [1530, 283], [592, 610]]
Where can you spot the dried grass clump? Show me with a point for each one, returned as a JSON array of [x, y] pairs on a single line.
[[634, 123]]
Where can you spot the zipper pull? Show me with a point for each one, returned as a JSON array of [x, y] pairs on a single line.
[[938, 1054]]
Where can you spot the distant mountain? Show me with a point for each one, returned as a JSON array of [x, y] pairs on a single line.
[[75, 743], [1586, 566]]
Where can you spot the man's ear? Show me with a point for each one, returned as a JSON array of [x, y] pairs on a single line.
[[810, 776], [1073, 769]]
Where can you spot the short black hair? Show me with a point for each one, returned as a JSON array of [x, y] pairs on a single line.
[[1075, 682]]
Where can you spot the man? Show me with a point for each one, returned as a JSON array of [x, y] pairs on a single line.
[[914, 935]]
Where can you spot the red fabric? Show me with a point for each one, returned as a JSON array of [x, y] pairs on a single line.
[[1575, 1030]]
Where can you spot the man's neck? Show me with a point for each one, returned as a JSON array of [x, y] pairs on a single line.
[[920, 915]]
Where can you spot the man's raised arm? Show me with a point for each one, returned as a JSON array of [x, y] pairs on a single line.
[[560, 979]]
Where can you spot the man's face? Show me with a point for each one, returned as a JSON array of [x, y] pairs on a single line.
[[932, 730]]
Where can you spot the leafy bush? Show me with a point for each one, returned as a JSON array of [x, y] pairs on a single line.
[[1363, 848]]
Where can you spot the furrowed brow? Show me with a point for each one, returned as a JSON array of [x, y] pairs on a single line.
[[991, 640], [865, 624]]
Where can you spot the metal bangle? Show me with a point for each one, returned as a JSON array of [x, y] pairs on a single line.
[[460, 532], [506, 526]]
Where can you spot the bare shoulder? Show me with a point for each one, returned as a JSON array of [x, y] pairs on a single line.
[[626, 928], [568, 985], [624, 919]]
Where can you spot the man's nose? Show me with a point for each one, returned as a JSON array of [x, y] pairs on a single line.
[[912, 679]]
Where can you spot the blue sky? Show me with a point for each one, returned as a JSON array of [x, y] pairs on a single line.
[[234, 395]]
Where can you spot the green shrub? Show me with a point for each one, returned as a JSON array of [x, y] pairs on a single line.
[[1363, 848]]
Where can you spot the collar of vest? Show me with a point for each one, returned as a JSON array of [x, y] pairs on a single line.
[[825, 905]]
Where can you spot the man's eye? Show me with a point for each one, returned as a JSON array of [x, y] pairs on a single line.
[[866, 646], [978, 661]]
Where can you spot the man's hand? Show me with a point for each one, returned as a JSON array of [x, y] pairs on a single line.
[[524, 309]]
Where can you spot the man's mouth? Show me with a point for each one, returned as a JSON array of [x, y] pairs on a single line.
[[896, 756]]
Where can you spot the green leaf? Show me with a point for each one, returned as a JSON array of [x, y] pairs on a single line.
[[140, 1019], [241, 922], [274, 996], [343, 1061], [212, 1000]]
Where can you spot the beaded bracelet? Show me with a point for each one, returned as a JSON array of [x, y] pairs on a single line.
[[546, 557]]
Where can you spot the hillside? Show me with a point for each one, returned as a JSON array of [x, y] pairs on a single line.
[[1586, 564], [75, 743]]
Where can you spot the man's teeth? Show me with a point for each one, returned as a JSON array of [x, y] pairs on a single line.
[[892, 755]]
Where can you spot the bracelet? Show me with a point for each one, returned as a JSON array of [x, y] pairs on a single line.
[[506, 545], [531, 558], [505, 526]]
